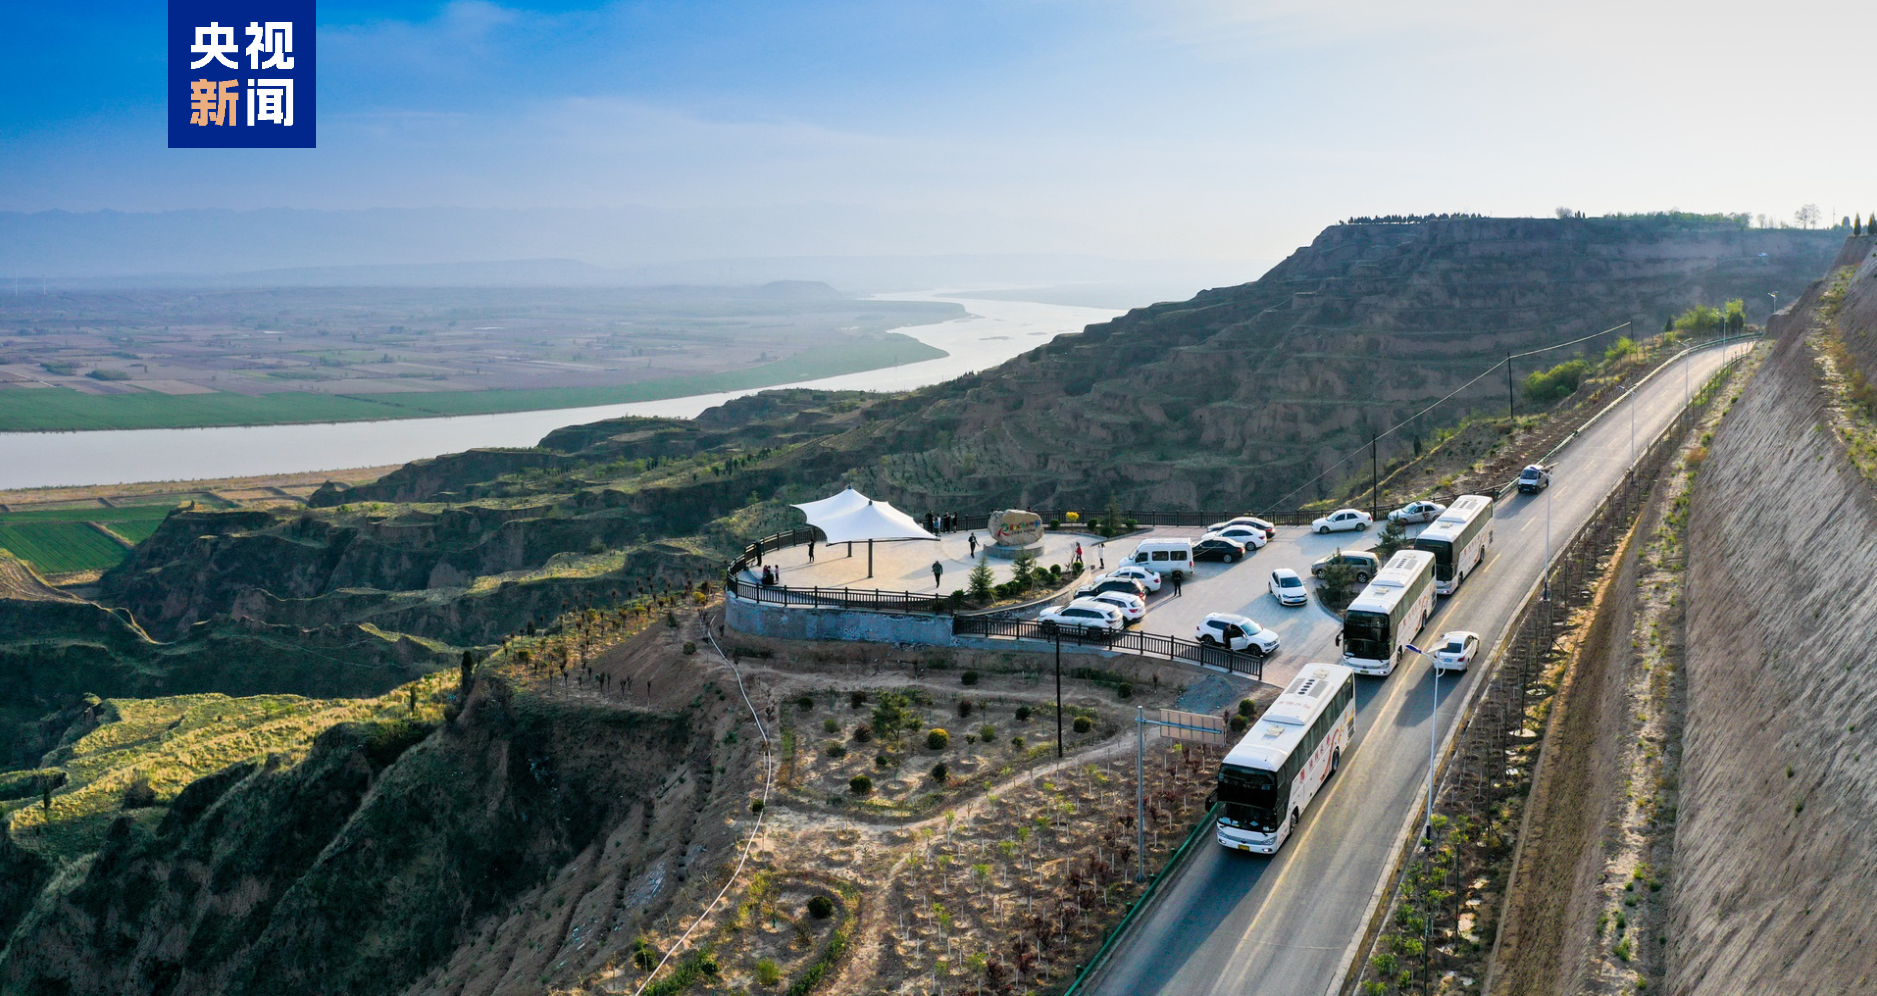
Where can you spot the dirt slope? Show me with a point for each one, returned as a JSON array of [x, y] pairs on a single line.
[[1779, 819]]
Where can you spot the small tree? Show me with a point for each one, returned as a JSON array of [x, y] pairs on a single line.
[[940, 772], [1083, 724], [981, 582], [938, 739], [468, 673], [821, 907], [891, 715], [860, 785], [1023, 570], [1111, 517], [1391, 539]]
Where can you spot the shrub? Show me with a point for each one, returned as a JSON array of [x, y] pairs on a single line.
[[863, 733], [1548, 386], [882, 760], [1239, 723], [937, 739], [139, 794], [1023, 714], [835, 748], [671, 619], [860, 785], [964, 708], [1072, 516], [1083, 724], [767, 973], [821, 907], [690, 647], [1130, 523], [756, 805], [831, 725], [1246, 707], [969, 677], [987, 733], [856, 699], [891, 715], [940, 773], [1124, 690], [1055, 523], [105, 374], [806, 703], [1016, 744]]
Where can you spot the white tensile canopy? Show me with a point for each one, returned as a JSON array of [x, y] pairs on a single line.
[[851, 517], [875, 520], [840, 504]]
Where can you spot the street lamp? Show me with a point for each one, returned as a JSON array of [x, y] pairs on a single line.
[[1433, 735]]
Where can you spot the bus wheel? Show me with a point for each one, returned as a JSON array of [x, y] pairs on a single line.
[[1336, 761], [1294, 817]]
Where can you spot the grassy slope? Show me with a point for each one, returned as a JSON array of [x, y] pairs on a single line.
[[58, 409]]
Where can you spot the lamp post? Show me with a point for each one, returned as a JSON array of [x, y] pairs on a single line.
[[1059, 692], [1433, 736]]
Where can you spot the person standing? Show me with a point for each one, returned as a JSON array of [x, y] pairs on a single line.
[[759, 551], [811, 549], [938, 569], [1078, 553], [1176, 584], [973, 540]]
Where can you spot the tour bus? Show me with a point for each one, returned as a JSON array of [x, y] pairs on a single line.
[[1458, 540], [1274, 772], [1388, 613]]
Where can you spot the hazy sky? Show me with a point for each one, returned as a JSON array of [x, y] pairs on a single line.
[[1161, 128]]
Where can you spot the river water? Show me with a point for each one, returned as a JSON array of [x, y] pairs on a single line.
[[993, 332]]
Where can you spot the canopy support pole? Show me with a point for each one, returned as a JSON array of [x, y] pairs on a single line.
[[870, 558]]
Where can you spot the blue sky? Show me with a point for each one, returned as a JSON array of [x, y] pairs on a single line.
[[1167, 129]]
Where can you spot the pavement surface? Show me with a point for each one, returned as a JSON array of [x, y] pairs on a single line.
[[1232, 923], [906, 565]]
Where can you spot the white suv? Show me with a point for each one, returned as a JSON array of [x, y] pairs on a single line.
[[1341, 520], [1235, 632], [1083, 615]]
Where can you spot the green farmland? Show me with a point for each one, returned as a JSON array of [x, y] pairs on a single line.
[[59, 409], [60, 540]]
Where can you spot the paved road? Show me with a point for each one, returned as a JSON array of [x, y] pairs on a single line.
[[1230, 923]]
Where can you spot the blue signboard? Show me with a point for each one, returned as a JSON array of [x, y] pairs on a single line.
[[241, 74]]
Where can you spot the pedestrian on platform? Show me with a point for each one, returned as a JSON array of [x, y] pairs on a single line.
[[937, 570], [1176, 584], [973, 540]]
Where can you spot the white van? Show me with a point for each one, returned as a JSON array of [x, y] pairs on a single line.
[[1165, 556]]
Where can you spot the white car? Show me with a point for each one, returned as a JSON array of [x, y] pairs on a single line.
[[1456, 650], [1270, 531], [1235, 632], [1253, 537], [1133, 607], [1287, 587], [1083, 615], [1342, 520], [1417, 511], [1145, 575]]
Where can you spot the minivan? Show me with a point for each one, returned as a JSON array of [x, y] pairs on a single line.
[[1165, 556]]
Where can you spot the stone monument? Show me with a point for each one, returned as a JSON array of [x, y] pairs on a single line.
[[1015, 532]]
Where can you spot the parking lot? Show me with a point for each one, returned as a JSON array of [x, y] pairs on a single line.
[[1307, 632]]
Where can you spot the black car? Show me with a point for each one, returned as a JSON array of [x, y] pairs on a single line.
[[1219, 548]]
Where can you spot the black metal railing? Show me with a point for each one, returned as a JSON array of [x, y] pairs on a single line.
[[1148, 644], [849, 598]]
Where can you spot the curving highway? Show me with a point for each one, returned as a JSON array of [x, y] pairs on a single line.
[[1232, 923]]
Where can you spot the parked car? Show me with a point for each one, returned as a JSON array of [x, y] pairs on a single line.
[[1083, 616], [1287, 587], [1534, 478], [1456, 650], [1253, 537], [1133, 607], [1218, 548], [1365, 563], [1235, 632], [1270, 531], [1145, 575], [1341, 520], [1417, 511], [1164, 556], [1108, 582]]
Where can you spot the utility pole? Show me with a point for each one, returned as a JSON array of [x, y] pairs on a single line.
[[1509, 399], [1140, 793], [1059, 692], [1375, 479]]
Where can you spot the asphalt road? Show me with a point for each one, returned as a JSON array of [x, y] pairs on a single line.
[[1238, 924]]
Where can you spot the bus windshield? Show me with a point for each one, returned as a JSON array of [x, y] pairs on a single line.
[[1443, 557], [1250, 798], [1365, 636]]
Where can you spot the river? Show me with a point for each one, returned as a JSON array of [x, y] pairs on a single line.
[[993, 332]]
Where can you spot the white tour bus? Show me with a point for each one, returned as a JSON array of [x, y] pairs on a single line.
[[1458, 540], [1268, 779], [1389, 612]]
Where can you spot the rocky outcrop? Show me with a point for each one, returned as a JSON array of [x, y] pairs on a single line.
[[1778, 818]]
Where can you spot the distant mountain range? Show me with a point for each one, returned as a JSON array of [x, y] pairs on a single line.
[[543, 247]]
